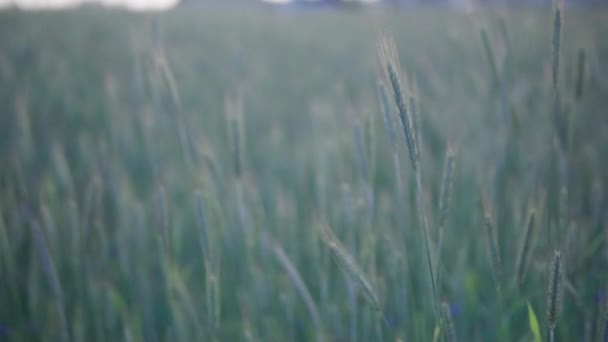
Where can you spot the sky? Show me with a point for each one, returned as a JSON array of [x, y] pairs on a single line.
[[132, 4]]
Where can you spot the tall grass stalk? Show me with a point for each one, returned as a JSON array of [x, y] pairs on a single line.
[[389, 59], [400, 197]]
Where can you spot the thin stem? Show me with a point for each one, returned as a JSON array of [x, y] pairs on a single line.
[[420, 200]]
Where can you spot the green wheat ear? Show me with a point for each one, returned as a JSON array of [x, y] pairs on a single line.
[[387, 54]]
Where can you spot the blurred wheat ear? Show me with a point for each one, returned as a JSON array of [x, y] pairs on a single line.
[[348, 264], [554, 292], [387, 112]]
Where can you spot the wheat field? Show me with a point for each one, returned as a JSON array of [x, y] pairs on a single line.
[[218, 175]]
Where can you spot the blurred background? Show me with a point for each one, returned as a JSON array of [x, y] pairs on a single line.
[[292, 4], [240, 170]]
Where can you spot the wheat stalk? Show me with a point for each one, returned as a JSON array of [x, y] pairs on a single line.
[[388, 57]]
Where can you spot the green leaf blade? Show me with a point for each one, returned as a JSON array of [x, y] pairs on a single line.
[[534, 324]]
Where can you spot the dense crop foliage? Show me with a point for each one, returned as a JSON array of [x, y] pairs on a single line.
[[210, 175]]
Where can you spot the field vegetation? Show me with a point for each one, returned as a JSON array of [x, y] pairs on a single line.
[[215, 175]]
